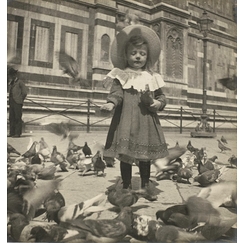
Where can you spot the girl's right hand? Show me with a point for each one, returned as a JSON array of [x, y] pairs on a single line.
[[107, 107]]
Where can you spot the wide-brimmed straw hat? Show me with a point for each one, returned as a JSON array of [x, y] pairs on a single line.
[[118, 58]]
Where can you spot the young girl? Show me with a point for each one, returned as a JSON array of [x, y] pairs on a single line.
[[135, 133]]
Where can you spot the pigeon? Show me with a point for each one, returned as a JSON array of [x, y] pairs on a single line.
[[174, 153], [12, 150], [31, 151], [44, 149], [39, 234], [222, 147], [200, 155], [223, 140], [214, 158], [177, 144], [166, 215], [58, 159], [183, 174], [170, 233], [121, 198], [15, 202], [107, 230], [82, 209], [16, 224], [208, 165], [109, 161], [168, 171], [52, 205], [220, 194], [38, 194], [36, 168], [207, 177], [128, 19], [35, 159], [62, 129], [73, 158], [191, 148], [47, 173], [85, 165], [229, 83], [233, 161], [86, 150], [72, 146], [213, 223], [146, 96], [72, 68], [98, 163]]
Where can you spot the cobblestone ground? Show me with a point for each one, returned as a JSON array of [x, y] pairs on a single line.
[[76, 188]]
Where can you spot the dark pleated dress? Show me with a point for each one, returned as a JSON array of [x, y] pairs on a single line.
[[135, 132]]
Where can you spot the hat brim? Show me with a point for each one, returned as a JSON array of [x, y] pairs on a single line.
[[118, 58]]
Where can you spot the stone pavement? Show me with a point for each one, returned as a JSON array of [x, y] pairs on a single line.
[[76, 188]]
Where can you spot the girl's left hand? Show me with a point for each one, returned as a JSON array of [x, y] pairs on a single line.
[[155, 106]]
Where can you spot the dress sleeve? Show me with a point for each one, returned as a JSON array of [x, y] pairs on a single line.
[[159, 95], [116, 93]]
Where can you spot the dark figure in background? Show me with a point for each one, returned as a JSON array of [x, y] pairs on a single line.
[[17, 94]]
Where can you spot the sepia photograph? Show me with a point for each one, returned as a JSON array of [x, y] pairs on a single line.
[[121, 121]]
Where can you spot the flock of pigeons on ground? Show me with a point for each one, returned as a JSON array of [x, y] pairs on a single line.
[[33, 193]]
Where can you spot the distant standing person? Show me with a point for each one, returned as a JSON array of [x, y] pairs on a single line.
[[17, 95]]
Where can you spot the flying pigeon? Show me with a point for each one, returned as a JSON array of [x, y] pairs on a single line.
[[72, 68], [229, 83]]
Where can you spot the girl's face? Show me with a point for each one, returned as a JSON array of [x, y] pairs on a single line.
[[137, 56]]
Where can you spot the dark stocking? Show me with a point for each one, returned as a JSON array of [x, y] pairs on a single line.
[[126, 174], [144, 170]]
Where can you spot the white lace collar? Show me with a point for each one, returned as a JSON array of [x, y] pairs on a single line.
[[129, 78]]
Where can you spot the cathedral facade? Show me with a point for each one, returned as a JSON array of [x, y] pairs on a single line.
[[38, 29]]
